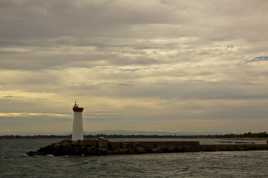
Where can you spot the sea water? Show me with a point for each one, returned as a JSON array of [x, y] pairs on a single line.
[[14, 163]]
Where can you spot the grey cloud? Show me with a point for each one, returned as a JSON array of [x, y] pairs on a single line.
[[48, 60], [212, 20], [259, 59], [177, 90], [37, 19]]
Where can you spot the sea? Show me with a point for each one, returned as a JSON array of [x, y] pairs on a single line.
[[14, 163]]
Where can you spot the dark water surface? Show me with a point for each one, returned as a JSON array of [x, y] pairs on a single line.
[[15, 164]]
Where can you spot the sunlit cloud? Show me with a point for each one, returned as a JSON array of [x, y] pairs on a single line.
[[29, 115], [17, 94]]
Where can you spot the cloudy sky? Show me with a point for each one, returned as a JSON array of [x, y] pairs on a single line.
[[154, 65]]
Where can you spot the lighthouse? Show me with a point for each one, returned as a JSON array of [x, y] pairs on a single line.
[[77, 123]]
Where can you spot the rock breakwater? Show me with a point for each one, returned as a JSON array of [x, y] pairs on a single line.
[[106, 147]]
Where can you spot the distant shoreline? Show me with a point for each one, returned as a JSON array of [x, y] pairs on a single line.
[[244, 135]]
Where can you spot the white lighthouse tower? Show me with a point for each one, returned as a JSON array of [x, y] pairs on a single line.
[[77, 123]]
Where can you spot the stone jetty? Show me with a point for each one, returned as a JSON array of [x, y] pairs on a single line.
[[107, 147]]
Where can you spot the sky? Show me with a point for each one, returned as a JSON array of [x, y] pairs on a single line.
[[154, 65]]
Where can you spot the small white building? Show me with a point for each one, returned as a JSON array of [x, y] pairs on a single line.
[[77, 133]]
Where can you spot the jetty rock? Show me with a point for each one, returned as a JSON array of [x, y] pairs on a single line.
[[107, 147]]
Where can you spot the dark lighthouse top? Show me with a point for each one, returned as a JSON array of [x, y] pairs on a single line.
[[76, 108]]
